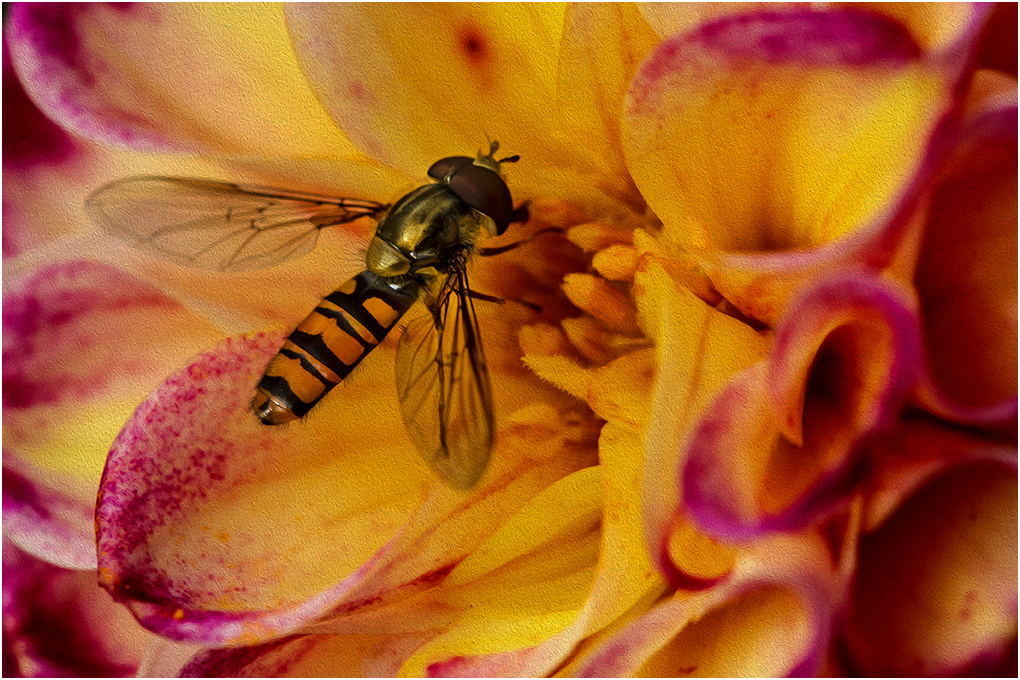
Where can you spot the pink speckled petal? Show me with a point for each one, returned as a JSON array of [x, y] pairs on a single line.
[[782, 445], [772, 617], [216, 529], [171, 77], [776, 146], [966, 275], [58, 623], [44, 522], [935, 592]]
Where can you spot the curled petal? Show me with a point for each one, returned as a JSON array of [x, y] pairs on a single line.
[[691, 83], [782, 444], [773, 145], [966, 274], [774, 612], [104, 71], [912, 454], [936, 586]]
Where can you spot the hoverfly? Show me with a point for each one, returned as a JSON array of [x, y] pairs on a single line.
[[420, 251]]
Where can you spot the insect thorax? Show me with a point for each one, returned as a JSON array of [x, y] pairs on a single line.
[[423, 233]]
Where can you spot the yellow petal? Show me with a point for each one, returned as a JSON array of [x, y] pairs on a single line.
[[487, 72], [601, 47]]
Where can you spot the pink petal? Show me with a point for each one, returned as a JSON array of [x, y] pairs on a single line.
[[30, 138], [39, 159], [44, 522], [59, 623], [75, 330], [936, 586], [966, 275], [82, 343], [171, 77], [53, 49], [783, 447]]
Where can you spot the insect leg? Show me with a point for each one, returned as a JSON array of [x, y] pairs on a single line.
[[499, 250]]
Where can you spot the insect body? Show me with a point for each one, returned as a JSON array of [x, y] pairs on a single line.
[[420, 250]]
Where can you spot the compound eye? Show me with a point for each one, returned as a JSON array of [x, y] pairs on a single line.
[[486, 192], [441, 169]]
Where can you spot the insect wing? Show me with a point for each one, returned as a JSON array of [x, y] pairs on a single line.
[[219, 225], [443, 387]]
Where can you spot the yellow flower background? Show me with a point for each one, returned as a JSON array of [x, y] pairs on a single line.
[[756, 412]]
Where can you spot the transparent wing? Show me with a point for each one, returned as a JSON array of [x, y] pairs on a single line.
[[218, 225], [443, 386]]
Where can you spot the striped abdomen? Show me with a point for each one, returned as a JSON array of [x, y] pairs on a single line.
[[329, 343]]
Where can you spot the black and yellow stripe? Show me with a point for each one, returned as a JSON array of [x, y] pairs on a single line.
[[329, 343]]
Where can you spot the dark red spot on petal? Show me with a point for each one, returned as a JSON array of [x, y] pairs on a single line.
[[473, 45], [356, 90]]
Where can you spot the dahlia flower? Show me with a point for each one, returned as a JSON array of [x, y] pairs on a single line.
[[753, 382]]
